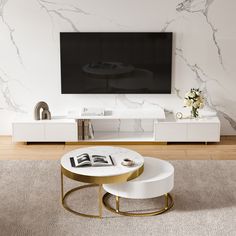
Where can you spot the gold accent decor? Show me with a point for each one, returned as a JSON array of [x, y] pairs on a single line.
[[169, 202], [64, 203], [166, 201], [100, 200], [72, 143], [95, 181], [103, 179], [117, 203], [64, 197]]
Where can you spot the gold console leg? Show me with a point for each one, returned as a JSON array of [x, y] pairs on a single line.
[[117, 204]]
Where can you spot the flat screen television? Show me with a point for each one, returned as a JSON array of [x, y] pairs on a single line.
[[124, 63]]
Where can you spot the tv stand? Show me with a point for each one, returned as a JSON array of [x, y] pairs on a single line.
[[165, 129]]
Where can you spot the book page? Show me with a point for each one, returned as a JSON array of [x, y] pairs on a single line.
[[100, 160], [82, 160]]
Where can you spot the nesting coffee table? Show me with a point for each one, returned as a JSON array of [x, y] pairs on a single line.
[[156, 180], [97, 176]]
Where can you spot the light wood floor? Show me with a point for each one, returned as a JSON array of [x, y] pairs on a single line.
[[225, 150]]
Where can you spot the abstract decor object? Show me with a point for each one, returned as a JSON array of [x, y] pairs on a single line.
[[41, 111]]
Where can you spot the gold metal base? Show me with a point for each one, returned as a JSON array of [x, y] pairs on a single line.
[[64, 197], [168, 205], [103, 179]]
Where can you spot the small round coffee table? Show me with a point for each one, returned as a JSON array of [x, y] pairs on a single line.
[[97, 176], [157, 180]]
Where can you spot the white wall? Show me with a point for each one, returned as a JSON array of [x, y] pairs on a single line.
[[204, 53]]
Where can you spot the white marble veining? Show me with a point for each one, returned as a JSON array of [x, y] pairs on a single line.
[[202, 7], [203, 54], [10, 29], [7, 100]]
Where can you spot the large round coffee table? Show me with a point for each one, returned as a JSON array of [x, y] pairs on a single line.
[[97, 176]]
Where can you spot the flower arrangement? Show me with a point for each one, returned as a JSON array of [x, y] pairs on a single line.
[[195, 100]]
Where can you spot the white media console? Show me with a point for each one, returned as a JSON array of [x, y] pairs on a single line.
[[58, 130], [165, 129], [206, 129]]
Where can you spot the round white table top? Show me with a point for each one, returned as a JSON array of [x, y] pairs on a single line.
[[156, 180], [117, 154]]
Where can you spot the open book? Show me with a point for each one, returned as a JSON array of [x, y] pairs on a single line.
[[91, 160]]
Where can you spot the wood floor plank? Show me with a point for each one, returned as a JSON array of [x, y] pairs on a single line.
[[224, 150]]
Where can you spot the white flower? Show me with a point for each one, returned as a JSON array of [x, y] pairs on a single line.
[[187, 103], [201, 105], [194, 98], [187, 94], [191, 95], [196, 104]]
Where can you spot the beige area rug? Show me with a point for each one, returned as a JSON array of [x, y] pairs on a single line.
[[204, 193]]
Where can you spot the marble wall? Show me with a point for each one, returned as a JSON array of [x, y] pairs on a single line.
[[204, 53]]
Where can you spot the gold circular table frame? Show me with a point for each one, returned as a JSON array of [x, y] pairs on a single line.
[[93, 182], [169, 203]]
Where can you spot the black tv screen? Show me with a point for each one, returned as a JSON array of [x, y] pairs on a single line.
[[115, 62]]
